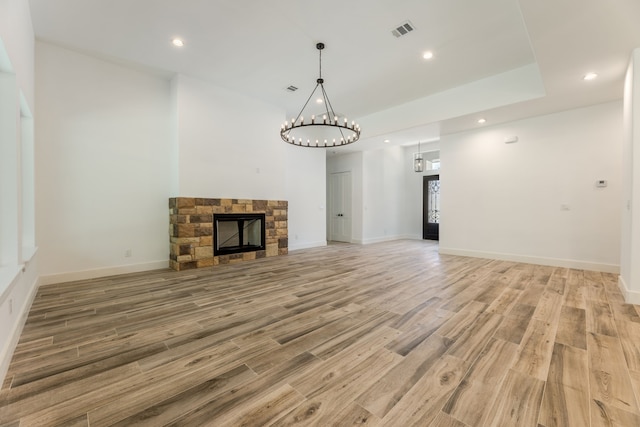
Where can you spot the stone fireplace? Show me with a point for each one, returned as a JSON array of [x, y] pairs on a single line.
[[191, 231]]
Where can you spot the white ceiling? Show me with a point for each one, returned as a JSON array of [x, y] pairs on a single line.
[[499, 59]]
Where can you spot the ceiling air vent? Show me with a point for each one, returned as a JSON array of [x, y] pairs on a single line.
[[292, 88], [403, 29]]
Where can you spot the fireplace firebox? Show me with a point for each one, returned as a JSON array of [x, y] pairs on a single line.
[[238, 232]]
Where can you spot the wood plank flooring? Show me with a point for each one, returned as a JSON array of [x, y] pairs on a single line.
[[389, 334]]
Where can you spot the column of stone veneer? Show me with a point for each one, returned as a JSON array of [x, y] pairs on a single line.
[[191, 230]]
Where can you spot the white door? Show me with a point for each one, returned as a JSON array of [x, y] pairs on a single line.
[[340, 209]]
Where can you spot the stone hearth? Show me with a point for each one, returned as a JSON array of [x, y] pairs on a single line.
[[191, 230]]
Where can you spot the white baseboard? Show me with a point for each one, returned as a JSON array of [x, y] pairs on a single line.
[[553, 262], [6, 352], [307, 245], [377, 240], [50, 279], [381, 239], [631, 297]]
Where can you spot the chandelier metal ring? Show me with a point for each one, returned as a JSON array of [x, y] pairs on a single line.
[[328, 130]]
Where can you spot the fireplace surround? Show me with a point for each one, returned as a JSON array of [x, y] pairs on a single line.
[[191, 224]]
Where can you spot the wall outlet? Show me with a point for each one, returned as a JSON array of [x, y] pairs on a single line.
[[127, 253]]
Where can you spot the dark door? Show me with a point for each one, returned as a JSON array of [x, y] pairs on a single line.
[[431, 207]]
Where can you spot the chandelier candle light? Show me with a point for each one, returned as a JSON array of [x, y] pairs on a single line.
[[329, 130]]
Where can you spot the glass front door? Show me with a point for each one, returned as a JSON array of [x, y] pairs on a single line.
[[431, 207]]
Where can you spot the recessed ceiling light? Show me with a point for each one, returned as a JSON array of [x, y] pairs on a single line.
[[589, 76], [319, 101], [177, 42], [427, 55], [481, 121], [386, 141]]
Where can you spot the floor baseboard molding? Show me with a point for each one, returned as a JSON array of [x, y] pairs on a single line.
[[630, 297], [308, 245], [6, 353], [553, 262], [381, 239], [50, 279]]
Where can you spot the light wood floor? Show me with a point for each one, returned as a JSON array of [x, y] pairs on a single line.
[[390, 334]]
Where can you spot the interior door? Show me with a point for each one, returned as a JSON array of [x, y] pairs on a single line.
[[431, 207], [340, 207]]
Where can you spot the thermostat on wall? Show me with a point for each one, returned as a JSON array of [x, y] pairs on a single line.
[[601, 183]]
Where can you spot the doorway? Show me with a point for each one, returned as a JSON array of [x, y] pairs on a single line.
[[340, 207], [431, 207]]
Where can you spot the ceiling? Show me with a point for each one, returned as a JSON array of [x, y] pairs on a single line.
[[497, 59]]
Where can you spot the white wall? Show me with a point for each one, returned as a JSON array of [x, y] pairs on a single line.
[[16, 34], [114, 143], [18, 270], [103, 144], [630, 246], [504, 200], [383, 194], [306, 192], [379, 193], [229, 145]]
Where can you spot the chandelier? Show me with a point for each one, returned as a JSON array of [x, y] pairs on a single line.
[[325, 130]]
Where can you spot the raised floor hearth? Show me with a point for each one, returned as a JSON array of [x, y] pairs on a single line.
[[191, 230]]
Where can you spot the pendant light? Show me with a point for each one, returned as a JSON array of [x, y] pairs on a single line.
[[418, 161]]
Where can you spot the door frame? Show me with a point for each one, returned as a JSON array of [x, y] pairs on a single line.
[[347, 207], [425, 208]]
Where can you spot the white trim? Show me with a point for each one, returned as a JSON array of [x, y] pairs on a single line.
[[386, 239], [6, 353], [381, 239], [630, 297], [373, 240], [50, 279], [554, 262], [307, 245]]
